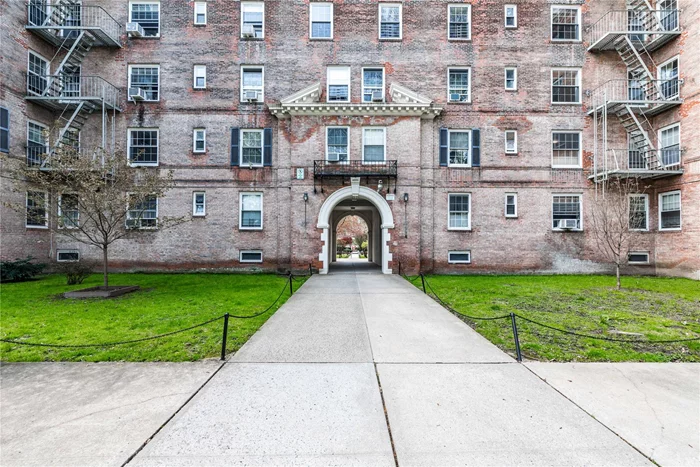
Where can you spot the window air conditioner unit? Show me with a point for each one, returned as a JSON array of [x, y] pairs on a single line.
[[137, 94], [568, 224], [333, 157], [134, 30], [248, 30], [455, 97], [250, 96], [377, 96]]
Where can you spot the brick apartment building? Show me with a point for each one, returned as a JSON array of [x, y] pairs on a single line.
[[468, 134]]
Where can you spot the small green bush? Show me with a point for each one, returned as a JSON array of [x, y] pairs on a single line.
[[19, 270], [76, 271]]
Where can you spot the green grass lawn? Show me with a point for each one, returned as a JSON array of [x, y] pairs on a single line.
[[657, 308], [35, 312]]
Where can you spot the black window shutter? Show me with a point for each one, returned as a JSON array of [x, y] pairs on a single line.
[[235, 152], [476, 147], [443, 147], [267, 147], [4, 130]]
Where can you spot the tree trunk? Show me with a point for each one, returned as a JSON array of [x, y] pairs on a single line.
[[105, 267], [617, 274]]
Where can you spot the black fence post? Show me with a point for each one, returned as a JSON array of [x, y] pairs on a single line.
[[422, 279], [399, 268], [517, 339], [223, 342], [311, 271], [291, 291]]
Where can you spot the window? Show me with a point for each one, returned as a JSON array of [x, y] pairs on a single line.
[[670, 211], [638, 212], [566, 23], [668, 75], [668, 14], [199, 204], [251, 211], [37, 143], [337, 144], [146, 77], [511, 79], [390, 20], [37, 72], [566, 212], [635, 158], [373, 144], [251, 256], [67, 256], [252, 20], [566, 86], [458, 85], [199, 140], [321, 19], [458, 148], [148, 16], [459, 211], [70, 81], [511, 142], [670, 145], [200, 13], [252, 148], [459, 21], [373, 85], [566, 149], [511, 16], [635, 89], [252, 84], [459, 257], [68, 212], [200, 76], [638, 257], [143, 146], [511, 205], [338, 84], [143, 214], [37, 212], [4, 130]]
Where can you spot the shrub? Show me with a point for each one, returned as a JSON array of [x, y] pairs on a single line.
[[76, 271], [19, 270]]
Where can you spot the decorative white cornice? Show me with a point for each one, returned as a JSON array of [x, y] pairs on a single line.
[[307, 95], [402, 95]]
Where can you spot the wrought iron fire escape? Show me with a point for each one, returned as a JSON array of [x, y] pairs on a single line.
[[634, 33], [74, 29]]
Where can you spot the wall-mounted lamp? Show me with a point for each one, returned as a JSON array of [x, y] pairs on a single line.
[[405, 216], [380, 185], [306, 197], [306, 200], [405, 197]]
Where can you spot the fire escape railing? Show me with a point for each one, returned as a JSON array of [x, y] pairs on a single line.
[[643, 25], [67, 18]]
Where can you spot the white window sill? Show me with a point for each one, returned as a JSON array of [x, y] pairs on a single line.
[[320, 38], [139, 164], [511, 217], [567, 230], [459, 39], [566, 41], [200, 152], [38, 227], [566, 103], [144, 101], [511, 89], [199, 215], [567, 167], [459, 102], [459, 166], [391, 39], [250, 228], [670, 230], [199, 88], [459, 229]]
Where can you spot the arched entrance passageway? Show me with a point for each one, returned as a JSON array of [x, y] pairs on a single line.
[[372, 208]]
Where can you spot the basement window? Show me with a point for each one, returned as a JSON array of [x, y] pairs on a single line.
[[67, 256], [638, 257], [147, 14], [251, 256], [459, 257]]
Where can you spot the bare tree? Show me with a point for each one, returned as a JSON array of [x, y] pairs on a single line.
[[96, 199], [615, 218]]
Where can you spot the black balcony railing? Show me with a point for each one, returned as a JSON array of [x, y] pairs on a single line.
[[387, 169]]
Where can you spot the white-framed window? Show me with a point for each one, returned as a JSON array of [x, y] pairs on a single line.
[[511, 209], [638, 257], [200, 13], [639, 212], [670, 210], [321, 20], [459, 211], [67, 256], [566, 23], [566, 211], [199, 140], [668, 14], [459, 148], [143, 214], [667, 74], [511, 141], [37, 73], [251, 256], [37, 142], [337, 143], [566, 86], [199, 204], [146, 77], [459, 21], [147, 14], [338, 84], [142, 146], [200, 77], [373, 85], [566, 149], [37, 210], [373, 144], [459, 84], [251, 211], [252, 20], [670, 145], [251, 148], [70, 81], [511, 78], [459, 257], [511, 16], [390, 21], [68, 211], [4, 129], [252, 83]]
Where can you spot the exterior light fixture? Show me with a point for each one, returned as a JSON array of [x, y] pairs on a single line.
[[380, 185], [306, 200], [306, 197], [405, 197], [405, 216]]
